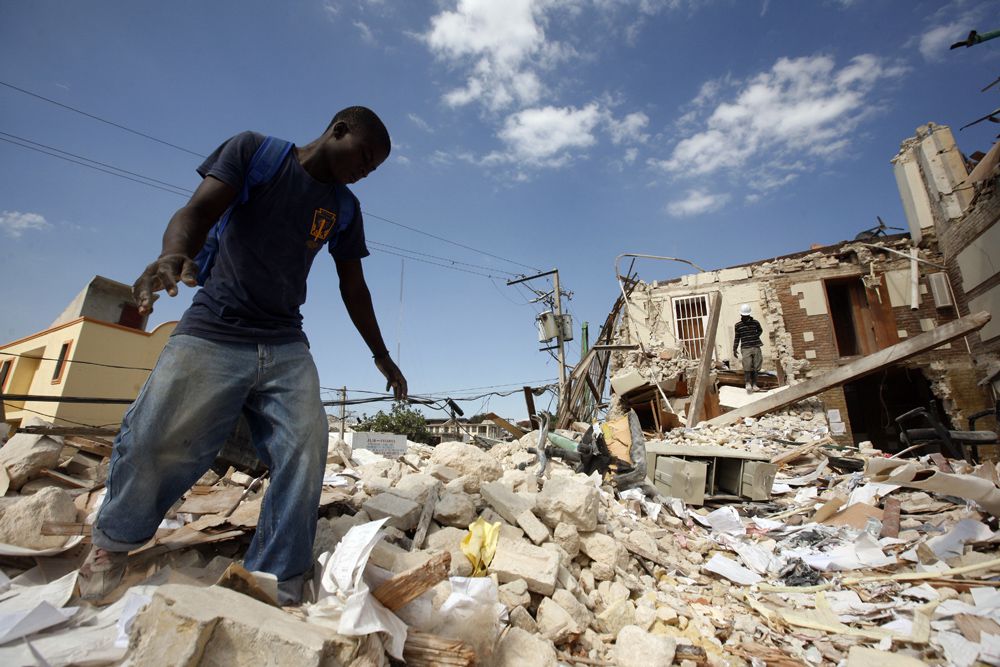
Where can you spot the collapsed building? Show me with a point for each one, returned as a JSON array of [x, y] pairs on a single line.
[[826, 306]]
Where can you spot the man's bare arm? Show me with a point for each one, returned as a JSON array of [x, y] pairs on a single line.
[[184, 237], [358, 301]]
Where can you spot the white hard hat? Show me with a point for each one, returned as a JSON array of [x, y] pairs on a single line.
[[745, 309]]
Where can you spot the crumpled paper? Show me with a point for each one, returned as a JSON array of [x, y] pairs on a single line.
[[344, 599]]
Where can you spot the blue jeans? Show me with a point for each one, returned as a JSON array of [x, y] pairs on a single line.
[[188, 407]]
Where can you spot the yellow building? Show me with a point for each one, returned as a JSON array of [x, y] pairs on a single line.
[[97, 348]]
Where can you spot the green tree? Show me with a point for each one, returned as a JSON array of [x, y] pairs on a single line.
[[401, 419]]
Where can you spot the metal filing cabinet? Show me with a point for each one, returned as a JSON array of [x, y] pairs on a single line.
[[694, 473]]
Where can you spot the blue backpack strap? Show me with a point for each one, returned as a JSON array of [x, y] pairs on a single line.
[[263, 166]]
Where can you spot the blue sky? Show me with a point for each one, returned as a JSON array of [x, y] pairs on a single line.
[[554, 133]]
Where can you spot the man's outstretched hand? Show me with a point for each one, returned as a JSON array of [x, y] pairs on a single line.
[[393, 376], [164, 274]]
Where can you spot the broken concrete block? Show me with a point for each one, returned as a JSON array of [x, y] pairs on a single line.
[[442, 473], [520, 618], [505, 502], [417, 487], [403, 513], [216, 626], [21, 522], [514, 594], [581, 615], [565, 500], [605, 552], [469, 461], [532, 527], [555, 623], [635, 647], [616, 617], [455, 509], [515, 559], [519, 648], [25, 455], [566, 536]]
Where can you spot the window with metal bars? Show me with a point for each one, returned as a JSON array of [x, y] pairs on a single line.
[[690, 321]]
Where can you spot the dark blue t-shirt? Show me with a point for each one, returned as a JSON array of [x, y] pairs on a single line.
[[258, 281]]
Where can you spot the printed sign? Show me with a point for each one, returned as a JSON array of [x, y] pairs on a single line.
[[389, 445]]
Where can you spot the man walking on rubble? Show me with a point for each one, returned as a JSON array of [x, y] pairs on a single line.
[[240, 348], [747, 337]]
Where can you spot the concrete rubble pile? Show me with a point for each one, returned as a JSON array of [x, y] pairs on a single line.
[[856, 558]]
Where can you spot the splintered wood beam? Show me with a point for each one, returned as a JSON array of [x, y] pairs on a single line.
[[858, 368], [704, 368], [427, 650], [406, 586]]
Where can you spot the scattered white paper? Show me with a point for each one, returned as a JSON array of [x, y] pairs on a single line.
[[805, 479], [767, 524], [726, 520], [756, 558], [805, 494], [780, 489], [731, 570], [27, 622], [922, 592], [986, 597], [345, 600], [4, 582], [651, 508], [958, 650], [134, 602], [339, 480], [867, 493], [953, 543], [20, 598], [14, 550]]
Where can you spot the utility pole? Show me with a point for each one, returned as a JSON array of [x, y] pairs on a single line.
[[343, 411], [557, 306]]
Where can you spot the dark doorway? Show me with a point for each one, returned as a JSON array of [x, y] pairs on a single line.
[[874, 402], [862, 317]]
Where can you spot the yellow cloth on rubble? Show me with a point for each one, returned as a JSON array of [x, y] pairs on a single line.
[[480, 544]]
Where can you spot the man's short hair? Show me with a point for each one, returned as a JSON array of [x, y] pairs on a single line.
[[366, 120]]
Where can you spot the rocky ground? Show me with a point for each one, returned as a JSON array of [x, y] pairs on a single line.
[[854, 560]]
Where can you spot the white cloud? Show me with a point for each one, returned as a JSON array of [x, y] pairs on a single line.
[[365, 32], [630, 155], [696, 202], [629, 129], [15, 223], [949, 24], [547, 136], [802, 106], [331, 8], [420, 122], [499, 40]]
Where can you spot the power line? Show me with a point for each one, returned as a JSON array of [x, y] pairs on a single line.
[[102, 120], [454, 243], [184, 192], [74, 361], [90, 166], [201, 155], [103, 164], [445, 259]]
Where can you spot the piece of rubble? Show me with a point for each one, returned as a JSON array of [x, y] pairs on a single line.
[[516, 559], [216, 626], [634, 647], [505, 502], [532, 527], [21, 522], [470, 461], [616, 616], [455, 509], [520, 618], [402, 512], [450, 539], [555, 623], [25, 455], [606, 553], [514, 593], [565, 500], [417, 487], [566, 536], [519, 648], [581, 615]]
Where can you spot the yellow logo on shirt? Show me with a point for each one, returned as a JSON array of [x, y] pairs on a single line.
[[322, 225]]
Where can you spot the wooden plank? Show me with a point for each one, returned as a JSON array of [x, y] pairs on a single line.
[[426, 514], [858, 368], [68, 430], [63, 528], [515, 431], [696, 413], [427, 650], [89, 445], [406, 586], [66, 479], [890, 517], [529, 400]]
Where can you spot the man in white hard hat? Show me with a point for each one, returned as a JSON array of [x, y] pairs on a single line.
[[747, 337]]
